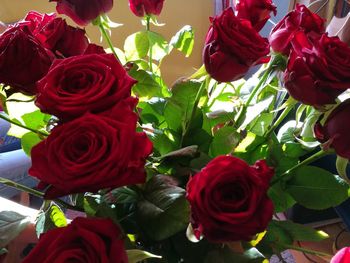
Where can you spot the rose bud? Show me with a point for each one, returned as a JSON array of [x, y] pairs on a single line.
[[257, 12], [342, 256], [23, 60], [146, 7], [83, 11], [318, 70], [232, 46], [92, 152], [335, 131], [229, 199], [300, 19], [97, 80], [83, 240]]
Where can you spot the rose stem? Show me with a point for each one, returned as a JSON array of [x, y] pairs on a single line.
[[262, 81], [148, 19], [284, 114], [203, 87], [308, 160], [105, 35], [22, 126], [36, 193]]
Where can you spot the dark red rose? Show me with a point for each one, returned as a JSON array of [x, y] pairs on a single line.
[[232, 46], [335, 131], [342, 256], [92, 152], [79, 84], [257, 12], [229, 199], [55, 34], [23, 60], [300, 19], [94, 49], [318, 70], [146, 7], [83, 240], [83, 11]]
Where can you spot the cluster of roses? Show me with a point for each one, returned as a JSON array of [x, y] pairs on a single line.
[[94, 144], [318, 71]]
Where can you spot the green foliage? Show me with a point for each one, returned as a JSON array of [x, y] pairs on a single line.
[[136, 255], [136, 46], [224, 141], [162, 201], [146, 86], [224, 255], [317, 188], [51, 216], [28, 141], [281, 199], [183, 40]]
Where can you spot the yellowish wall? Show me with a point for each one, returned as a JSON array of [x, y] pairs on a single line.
[[176, 13]]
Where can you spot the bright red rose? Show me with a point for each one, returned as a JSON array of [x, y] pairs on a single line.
[[335, 131], [75, 85], [318, 70], [256, 11], [23, 60], [229, 199], [83, 11], [342, 256], [92, 153], [83, 240], [232, 46], [300, 19], [146, 7]]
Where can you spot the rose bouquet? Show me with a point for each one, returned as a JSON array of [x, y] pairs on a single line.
[[193, 172]]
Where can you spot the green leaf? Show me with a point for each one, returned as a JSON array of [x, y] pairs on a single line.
[[293, 150], [224, 141], [121, 195], [11, 225], [183, 40], [341, 164], [261, 124], [50, 217], [163, 202], [300, 232], [146, 86], [28, 141], [136, 46], [316, 188], [158, 45], [178, 108], [136, 255], [280, 198]]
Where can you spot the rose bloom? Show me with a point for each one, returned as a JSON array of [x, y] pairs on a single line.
[[318, 70], [342, 256], [23, 60], [257, 12], [92, 153], [229, 199], [232, 46], [75, 85], [83, 240], [300, 19], [335, 131], [83, 11], [146, 7]]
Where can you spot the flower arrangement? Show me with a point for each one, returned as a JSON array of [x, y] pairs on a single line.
[[195, 172]]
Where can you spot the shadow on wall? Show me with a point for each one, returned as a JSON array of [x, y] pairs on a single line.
[[175, 14]]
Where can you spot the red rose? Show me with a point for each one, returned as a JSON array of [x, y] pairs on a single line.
[[342, 256], [300, 19], [318, 70], [83, 11], [229, 199], [79, 84], [335, 131], [83, 240], [23, 60], [232, 46], [94, 49], [146, 7], [92, 153], [257, 12]]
